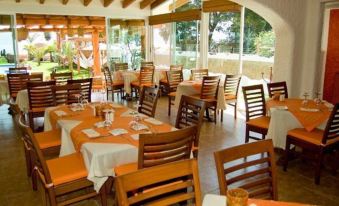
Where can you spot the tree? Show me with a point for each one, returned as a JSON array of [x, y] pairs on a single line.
[[68, 51], [38, 53], [51, 49]]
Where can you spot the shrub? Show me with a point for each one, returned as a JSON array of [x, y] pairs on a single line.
[[3, 60], [264, 43]]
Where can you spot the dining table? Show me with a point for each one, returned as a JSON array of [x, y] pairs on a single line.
[[221, 200], [103, 147], [193, 87], [295, 113]]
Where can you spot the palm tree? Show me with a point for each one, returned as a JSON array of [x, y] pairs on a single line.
[[69, 52]]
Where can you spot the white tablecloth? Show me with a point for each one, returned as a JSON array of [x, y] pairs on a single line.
[[22, 100], [188, 90], [4, 92], [214, 200], [281, 122]]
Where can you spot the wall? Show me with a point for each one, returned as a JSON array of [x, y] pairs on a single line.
[[74, 7], [296, 24]]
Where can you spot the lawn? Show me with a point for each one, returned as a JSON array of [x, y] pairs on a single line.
[[47, 67]]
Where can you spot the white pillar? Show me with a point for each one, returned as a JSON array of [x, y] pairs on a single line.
[[148, 43], [205, 18], [241, 42]]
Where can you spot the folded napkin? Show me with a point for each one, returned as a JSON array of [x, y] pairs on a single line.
[[153, 121], [60, 113], [74, 109], [309, 109], [136, 136], [138, 127], [99, 124], [91, 133], [117, 132], [114, 105], [129, 113], [281, 107]]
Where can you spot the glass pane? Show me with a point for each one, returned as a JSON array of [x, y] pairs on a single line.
[[7, 43], [191, 4], [161, 44], [186, 44], [224, 37], [126, 44], [259, 41]]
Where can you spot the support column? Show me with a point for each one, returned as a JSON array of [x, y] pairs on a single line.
[[205, 18], [241, 42], [96, 54]]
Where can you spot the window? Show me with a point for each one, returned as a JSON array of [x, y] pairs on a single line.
[[161, 44]]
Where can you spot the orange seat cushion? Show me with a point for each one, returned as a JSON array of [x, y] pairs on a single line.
[[262, 122], [48, 139], [137, 84], [313, 137], [230, 97], [172, 94], [163, 81], [116, 83], [67, 169], [126, 168], [209, 100]]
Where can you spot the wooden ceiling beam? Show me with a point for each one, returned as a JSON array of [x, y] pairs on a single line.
[[64, 2], [42, 1], [145, 3], [87, 2], [107, 3], [157, 3], [126, 3]]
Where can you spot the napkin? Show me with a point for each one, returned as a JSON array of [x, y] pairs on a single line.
[[60, 113], [309, 109], [138, 127], [281, 107], [74, 109], [117, 132], [328, 105], [136, 136], [99, 124], [129, 113], [91, 133], [153, 121]]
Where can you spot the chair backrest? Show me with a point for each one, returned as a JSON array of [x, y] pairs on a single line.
[[108, 77], [157, 178], [146, 75], [176, 67], [36, 77], [249, 166], [210, 87], [148, 101], [86, 87], [17, 70], [16, 82], [332, 128], [38, 159], [254, 101], [161, 148], [174, 78], [61, 78], [41, 94], [277, 87], [190, 113], [198, 74], [231, 85], [67, 94], [120, 66], [147, 64]]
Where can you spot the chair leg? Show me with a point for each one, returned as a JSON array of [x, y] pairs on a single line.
[[169, 106], [318, 167], [215, 114], [222, 115], [235, 110], [28, 162], [31, 121], [107, 94], [34, 180], [287, 153], [103, 195], [247, 137]]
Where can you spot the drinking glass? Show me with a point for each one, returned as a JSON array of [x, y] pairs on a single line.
[[237, 197]]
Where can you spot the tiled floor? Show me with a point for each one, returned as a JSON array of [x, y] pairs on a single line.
[[294, 185]]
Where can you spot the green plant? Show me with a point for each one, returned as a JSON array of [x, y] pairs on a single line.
[[3, 60], [264, 43], [39, 53], [68, 51], [52, 49]]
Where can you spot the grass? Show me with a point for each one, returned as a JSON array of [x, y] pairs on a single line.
[[47, 67]]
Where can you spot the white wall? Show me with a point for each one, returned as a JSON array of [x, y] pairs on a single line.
[[74, 7], [297, 25]]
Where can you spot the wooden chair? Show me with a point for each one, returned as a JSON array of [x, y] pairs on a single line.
[[164, 82], [40, 95], [174, 78], [61, 176], [16, 82], [49, 142], [61, 78], [112, 86], [256, 119], [36, 77], [18, 70], [120, 66], [147, 64], [254, 167], [67, 94], [198, 74], [209, 94], [162, 193], [145, 79], [148, 101], [231, 87], [86, 87], [161, 148], [277, 87], [318, 141], [191, 113]]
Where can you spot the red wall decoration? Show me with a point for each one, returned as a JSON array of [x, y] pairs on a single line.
[[332, 59]]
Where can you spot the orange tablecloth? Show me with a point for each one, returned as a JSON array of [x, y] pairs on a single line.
[[253, 202], [88, 121], [309, 120]]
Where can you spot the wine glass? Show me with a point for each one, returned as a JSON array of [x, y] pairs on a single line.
[[317, 99], [305, 101], [107, 122]]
